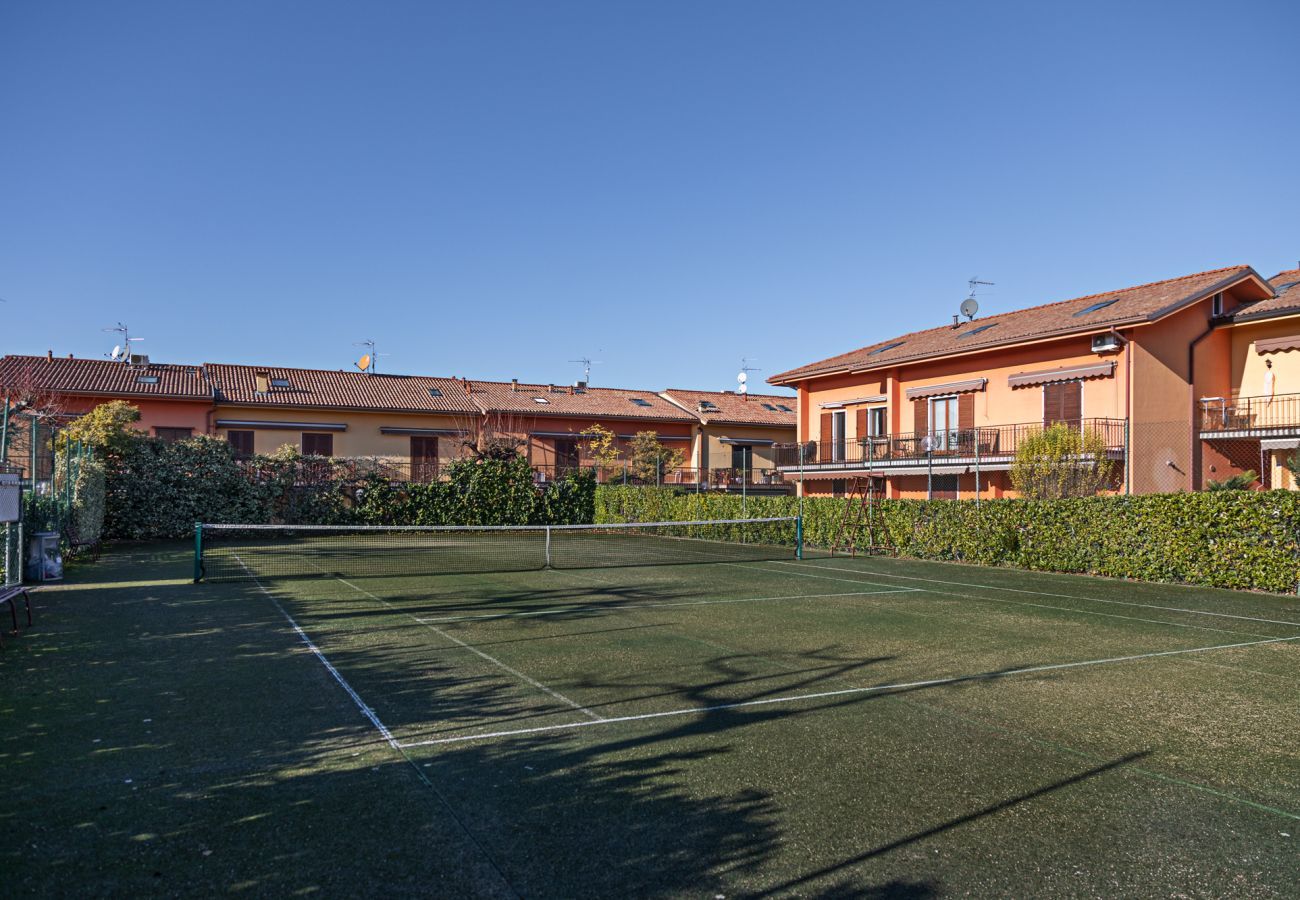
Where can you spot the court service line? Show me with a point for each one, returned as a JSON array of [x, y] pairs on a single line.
[[1198, 612], [343, 683], [557, 610], [1067, 609], [875, 689], [492, 659]]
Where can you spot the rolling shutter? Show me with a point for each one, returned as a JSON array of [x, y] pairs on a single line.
[[825, 439], [965, 411], [1063, 402], [862, 423], [921, 415]]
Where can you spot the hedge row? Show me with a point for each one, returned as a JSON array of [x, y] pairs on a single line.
[[1224, 539]]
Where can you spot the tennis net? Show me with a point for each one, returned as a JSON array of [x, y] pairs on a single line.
[[231, 552]]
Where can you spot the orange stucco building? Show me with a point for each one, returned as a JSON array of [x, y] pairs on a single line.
[[941, 412]]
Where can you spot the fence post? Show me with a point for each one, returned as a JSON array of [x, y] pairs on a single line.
[[798, 537], [977, 468], [548, 546], [1128, 459], [4, 432], [198, 552]]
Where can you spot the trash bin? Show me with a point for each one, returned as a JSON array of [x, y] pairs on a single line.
[[44, 560]]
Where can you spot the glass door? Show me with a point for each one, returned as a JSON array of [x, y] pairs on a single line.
[[943, 423]]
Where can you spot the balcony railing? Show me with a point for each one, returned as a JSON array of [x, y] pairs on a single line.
[[700, 479], [985, 441], [1247, 414]]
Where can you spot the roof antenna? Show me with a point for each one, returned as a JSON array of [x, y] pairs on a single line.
[[368, 361], [743, 378], [970, 306], [586, 367], [122, 352]]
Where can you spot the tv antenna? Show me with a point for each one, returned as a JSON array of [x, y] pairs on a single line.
[[970, 306], [122, 352], [369, 360], [743, 378], [586, 368]]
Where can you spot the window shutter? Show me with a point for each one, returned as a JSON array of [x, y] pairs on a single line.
[[921, 413], [825, 439], [862, 423], [1063, 402], [966, 411]]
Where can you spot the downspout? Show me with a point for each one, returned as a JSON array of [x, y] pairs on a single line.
[[1194, 469]]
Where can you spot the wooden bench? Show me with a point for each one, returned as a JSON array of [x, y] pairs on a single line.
[[10, 596]]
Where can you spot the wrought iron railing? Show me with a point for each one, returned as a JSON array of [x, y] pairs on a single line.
[[1250, 413], [989, 441]]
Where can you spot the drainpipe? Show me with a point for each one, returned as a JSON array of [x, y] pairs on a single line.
[[1194, 470]]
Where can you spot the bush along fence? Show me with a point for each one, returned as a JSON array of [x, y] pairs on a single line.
[[1224, 539]]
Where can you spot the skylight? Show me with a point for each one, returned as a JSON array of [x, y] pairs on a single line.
[[434, 392], [769, 407], [784, 408], [966, 334], [147, 379], [879, 350], [1101, 304], [639, 401], [708, 404], [540, 400], [279, 382]]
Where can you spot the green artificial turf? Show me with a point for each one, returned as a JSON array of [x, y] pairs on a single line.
[[837, 727]]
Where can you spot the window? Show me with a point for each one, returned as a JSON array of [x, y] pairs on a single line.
[[146, 379], [242, 441], [639, 401], [877, 425], [1216, 305], [943, 487], [280, 382], [837, 436], [784, 408], [434, 392], [1101, 304], [540, 400], [172, 435], [566, 455], [317, 444], [943, 423], [742, 457], [966, 334], [838, 486], [424, 458], [886, 347], [1063, 402], [769, 407], [708, 404]]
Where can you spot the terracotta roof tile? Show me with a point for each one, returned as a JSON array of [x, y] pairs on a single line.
[[523, 399], [1142, 303], [1287, 301], [328, 388], [732, 408], [104, 377]]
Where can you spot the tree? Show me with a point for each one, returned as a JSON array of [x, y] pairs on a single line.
[[600, 445], [107, 427], [1239, 482], [493, 435], [1293, 464], [651, 460], [1062, 461]]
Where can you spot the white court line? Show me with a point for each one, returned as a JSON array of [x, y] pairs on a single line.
[[1068, 609], [556, 610], [1198, 612], [356, 698], [796, 698], [492, 659]]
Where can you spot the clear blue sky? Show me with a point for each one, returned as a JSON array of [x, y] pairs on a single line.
[[493, 189]]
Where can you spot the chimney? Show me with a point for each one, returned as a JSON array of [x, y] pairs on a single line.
[[262, 382], [573, 390], [469, 386], [550, 389], [514, 385], [49, 356], [956, 322]]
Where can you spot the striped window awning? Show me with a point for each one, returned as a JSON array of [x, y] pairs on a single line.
[[1065, 373], [951, 387], [282, 426], [1278, 345]]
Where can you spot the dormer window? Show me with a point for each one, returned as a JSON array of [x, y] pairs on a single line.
[[1101, 304]]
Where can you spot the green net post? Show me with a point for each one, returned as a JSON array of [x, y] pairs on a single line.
[[798, 537], [198, 552]]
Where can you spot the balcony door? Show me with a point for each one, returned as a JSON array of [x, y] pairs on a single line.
[[838, 437], [424, 458], [944, 423], [566, 455], [1063, 402]]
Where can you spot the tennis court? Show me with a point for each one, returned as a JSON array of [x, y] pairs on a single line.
[[765, 725]]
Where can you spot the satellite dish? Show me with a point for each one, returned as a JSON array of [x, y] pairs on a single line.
[[742, 378], [969, 307], [117, 351], [744, 388], [364, 362]]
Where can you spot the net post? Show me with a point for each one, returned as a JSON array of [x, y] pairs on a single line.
[[548, 546], [198, 552], [798, 537]]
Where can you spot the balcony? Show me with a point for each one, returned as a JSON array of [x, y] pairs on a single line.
[[761, 480], [992, 447], [1275, 416]]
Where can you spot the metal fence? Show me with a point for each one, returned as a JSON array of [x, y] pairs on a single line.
[[1250, 414]]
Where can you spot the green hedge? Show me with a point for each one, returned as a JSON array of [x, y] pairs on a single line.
[[1226, 539]]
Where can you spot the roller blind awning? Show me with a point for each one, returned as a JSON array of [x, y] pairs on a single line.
[[1066, 373], [951, 387]]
